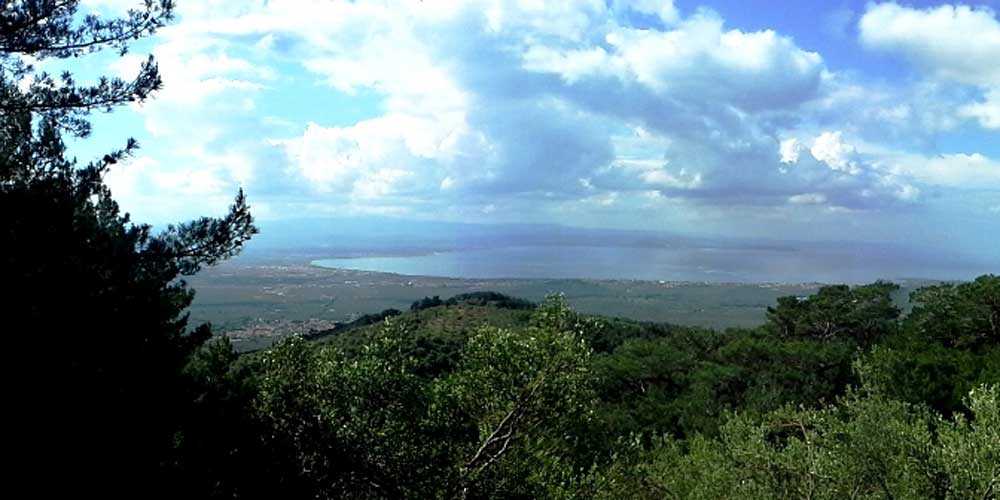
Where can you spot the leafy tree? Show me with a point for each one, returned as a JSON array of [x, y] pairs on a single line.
[[862, 314], [349, 426], [526, 411], [220, 450], [921, 372], [686, 383], [97, 309], [519, 388], [663, 386], [426, 303], [314, 421], [867, 446], [965, 315], [946, 347], [490, 298], [969, 448]]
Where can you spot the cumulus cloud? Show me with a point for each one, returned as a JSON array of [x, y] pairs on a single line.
[[830, 149], [372, 158], [841, 176], [957, 170], [790, 149], [702, 61], [165, 193], [959, 44], [987, 111], [536, 103], [493, 108]]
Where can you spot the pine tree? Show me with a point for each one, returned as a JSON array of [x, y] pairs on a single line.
[[94, 316]]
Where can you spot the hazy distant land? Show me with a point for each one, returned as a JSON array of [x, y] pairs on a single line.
[[302, 275], [256, 303]]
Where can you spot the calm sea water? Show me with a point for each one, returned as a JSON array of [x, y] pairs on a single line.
[[854, 265]]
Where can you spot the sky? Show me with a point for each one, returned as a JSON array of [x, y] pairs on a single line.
[[806, 120]]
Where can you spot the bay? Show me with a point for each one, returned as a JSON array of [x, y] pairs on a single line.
[[702, 264]]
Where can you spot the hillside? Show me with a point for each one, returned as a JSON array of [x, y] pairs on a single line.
[[257, 304], [836, 380]]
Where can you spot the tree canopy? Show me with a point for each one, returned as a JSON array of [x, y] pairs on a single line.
[[97, 304], [115, 395]]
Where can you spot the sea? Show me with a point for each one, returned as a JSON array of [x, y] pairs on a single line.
[[782, 264]]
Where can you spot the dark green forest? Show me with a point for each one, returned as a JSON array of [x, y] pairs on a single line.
[[114, 394], [836, 396]]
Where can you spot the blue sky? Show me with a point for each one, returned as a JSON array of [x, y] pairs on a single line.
[[875, 121]]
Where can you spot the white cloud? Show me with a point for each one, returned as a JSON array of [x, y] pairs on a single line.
[[958, 43], [663, 178], [604, 200], [665, 10], [110, 6], [700, 60], [986, 111], [381, 183], [165, 194], [907, 192], [369, 159], [843, 176], [439, 120], [830, 149], [790, 149], [531, 106], [953, 170], [195, 70], [574, 64], [807, 199]]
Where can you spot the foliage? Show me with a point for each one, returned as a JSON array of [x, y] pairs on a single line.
[[363, 320], [863, 314], [685, 383], [48, 29], [351, 425], [965, 315], [481, 395], [426, 303], [98, 312], [220, 422], [948, 345], [528, 411], [921, 372], [325, 423], [867, 446], [518, 386], [494, 299]]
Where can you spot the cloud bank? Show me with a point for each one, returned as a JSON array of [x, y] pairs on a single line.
[[599, 113]]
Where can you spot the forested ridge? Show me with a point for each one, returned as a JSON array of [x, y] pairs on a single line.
[[836, 396], [113, 394]]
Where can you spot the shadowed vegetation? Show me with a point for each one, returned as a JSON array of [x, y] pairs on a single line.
[[482, 395]]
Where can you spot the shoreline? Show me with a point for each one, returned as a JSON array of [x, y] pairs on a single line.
[[677, 282], [277, 298]]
